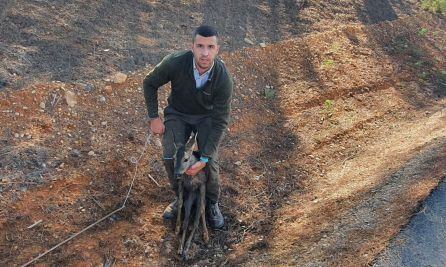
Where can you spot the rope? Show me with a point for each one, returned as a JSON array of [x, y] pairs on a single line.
[[133, 160]]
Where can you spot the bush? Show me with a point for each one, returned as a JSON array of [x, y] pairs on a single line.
[[436, 6]]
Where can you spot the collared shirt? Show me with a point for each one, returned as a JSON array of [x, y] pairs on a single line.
[[200, 80]]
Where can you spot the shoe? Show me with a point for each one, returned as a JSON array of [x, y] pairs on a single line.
[[170, 210], [214, 216]]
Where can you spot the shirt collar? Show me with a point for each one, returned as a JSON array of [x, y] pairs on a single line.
[[195, 67]]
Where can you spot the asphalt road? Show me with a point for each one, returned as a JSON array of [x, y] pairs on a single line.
[[423, 241]]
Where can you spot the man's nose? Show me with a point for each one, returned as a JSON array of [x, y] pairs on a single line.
[[205, 52]]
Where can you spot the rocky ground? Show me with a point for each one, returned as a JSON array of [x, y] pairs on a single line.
[[338, 129]]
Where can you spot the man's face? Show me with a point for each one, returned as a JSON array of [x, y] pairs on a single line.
[[205, 49]]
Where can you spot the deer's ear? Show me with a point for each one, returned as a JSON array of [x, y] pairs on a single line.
[[191, 142]]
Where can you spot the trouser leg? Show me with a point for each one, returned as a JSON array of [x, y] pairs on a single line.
[[168, 164], [213, 181], [212, 167], [175, 136]]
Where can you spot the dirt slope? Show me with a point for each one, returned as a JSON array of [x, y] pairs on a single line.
[[336, 136]]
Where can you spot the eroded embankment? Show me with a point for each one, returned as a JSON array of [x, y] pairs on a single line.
[[369, 138]]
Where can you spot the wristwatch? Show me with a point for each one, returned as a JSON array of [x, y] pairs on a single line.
[[204, 159]]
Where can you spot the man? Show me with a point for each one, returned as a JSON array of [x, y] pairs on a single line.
[[200, 102]]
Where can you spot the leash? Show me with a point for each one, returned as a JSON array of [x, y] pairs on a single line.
[[134, 161]]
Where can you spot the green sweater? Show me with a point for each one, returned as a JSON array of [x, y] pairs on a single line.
[[213, 99]]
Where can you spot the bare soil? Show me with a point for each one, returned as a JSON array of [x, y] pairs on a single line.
[[338, 129]]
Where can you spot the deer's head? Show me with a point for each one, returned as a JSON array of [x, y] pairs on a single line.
[[184, 157]]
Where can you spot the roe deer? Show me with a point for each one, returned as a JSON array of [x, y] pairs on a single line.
[[191, 193]]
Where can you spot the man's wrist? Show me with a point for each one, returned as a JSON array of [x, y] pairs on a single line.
[[152, 118]]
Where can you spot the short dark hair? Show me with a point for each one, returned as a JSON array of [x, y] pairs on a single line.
[[205, 31]]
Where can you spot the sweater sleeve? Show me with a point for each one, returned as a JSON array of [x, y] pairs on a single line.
[[156, 78], [219, 117]]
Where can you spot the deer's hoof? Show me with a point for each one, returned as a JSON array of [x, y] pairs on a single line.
[[184, 257]]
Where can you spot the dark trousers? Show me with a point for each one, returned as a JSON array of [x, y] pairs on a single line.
[[178, 131]]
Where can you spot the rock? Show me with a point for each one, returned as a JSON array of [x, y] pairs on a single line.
[[262, 45], [248, 41], [71, 99], [3, 83], [87, 87], [42, 105], [108, 89], [104, 123], [91, 153], [102, 98], [76, 153], [238, 163], [119, 77]]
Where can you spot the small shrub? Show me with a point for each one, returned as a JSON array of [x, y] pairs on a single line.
[[328, 107], [419, 63], [328, 63], [441, 77], [424, 75], [400, 45], [422, 32], [270, 93], [436, 6]]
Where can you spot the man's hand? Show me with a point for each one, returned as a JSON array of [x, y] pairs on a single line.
[[192, 171], [157, 126]]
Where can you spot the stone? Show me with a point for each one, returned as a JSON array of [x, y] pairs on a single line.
[[102, 98], [238, 163], [119, 77], [91, 153], [262, 45], [42, 105], [3, 83], [71, 98], [248, 41], [87, 87], [108, 89]]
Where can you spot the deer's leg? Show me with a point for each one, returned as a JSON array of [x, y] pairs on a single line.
[[180, 206], [196, 223], [187, 210], [203, 213]]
